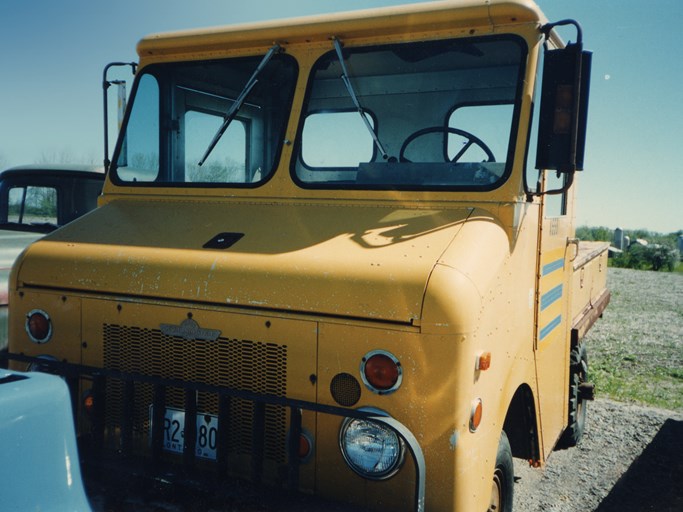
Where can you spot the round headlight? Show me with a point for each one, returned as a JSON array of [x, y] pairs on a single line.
[[38, 326], [371, 449]]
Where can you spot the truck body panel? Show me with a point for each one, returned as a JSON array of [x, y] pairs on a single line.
[[589, 280]]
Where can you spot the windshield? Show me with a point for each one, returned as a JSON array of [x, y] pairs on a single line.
[[178, 109], [425, 115]]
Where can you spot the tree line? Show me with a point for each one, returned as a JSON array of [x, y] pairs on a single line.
[[647, 250]]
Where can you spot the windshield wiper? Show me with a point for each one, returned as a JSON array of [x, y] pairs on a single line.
[[354, 98], [230, 114]]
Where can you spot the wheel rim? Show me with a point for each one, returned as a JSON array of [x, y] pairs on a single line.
[[496, 491]]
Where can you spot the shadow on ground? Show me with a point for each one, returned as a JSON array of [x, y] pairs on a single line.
[[655, 479]]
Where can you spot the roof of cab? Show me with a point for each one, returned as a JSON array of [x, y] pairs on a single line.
[[96, 171], [420, 17]]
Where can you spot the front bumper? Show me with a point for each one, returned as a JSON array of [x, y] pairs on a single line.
[[104, 446]]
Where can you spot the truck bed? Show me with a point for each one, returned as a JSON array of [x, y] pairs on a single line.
[[590, 295]]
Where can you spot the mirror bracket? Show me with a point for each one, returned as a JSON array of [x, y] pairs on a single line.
[[564, 104], [106, 83]]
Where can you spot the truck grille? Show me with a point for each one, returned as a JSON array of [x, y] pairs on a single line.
[[238, 364]]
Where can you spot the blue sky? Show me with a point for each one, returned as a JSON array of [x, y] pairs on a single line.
[[52, 55]]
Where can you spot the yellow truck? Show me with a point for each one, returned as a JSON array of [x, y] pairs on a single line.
[[324, 259]]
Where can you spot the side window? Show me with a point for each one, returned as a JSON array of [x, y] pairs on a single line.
[[15, 204], [139, 156], [336, 139], [32, 205], [228, 161], [555, 204], [531, 174]]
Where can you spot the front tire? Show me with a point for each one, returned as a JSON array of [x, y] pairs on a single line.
[[502, 485]]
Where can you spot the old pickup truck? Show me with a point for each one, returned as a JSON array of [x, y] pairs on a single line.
[[325, 258], [35, 200]]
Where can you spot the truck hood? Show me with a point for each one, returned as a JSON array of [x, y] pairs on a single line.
[[362, 261]]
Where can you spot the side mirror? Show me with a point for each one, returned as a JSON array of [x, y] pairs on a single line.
[[121, 85], [564, 106]]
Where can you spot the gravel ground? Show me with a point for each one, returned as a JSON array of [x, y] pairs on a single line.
[[630, 458]]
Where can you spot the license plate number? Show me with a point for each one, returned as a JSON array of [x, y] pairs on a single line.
[[174, 433]]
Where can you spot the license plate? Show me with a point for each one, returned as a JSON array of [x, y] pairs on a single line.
[[174, 433]]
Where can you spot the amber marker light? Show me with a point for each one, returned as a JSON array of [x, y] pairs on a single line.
[[89, 403], [381, 372], [305, 446], [483, 362], [475, 415]]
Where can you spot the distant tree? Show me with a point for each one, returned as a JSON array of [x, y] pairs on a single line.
[[657, 256], [670, 238], [65, 157], [56, 157], [583, 233], [634, 257], [659, 253], [665, 257], [600, 234], [218, 172], [642, 234]]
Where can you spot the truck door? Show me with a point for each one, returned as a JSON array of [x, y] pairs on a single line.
[[552, 340]]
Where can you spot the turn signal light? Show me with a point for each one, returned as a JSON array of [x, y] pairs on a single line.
[[38, 326], [483, 361], [381, 372], [476, 413], [89, 403], [305, 447]]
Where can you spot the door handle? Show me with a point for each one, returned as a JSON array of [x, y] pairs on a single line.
[[574, 241]]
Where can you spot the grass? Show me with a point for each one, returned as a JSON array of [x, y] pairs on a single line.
[[636, 349]]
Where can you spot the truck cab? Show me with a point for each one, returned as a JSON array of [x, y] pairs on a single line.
[[35, 200], [322, 260]]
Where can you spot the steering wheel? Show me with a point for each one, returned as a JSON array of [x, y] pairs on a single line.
[[471, 139]]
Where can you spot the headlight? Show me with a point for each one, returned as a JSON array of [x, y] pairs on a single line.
[[371, 449]]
